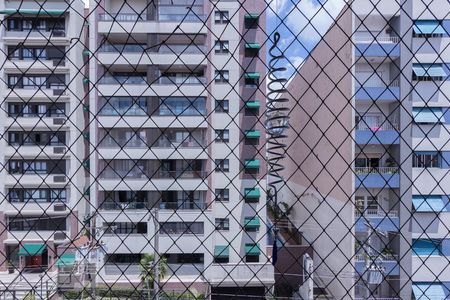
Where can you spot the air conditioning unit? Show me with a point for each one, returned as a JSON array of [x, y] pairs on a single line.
[[59, 207], [59, 62], [58, 92], [59, 178], [58, 236], [59, 33], [59, 150], [59, 121]]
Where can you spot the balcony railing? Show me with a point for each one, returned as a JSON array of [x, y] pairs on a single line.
[[377, 212], [184, 269], [181, 17], [142, 174], [379, 170], [374, 37], [111, 142], [384, 126], [164, 49], [375, 81], [56, 33], [184, 205], [123, 80], [124, 206], [186, 79], [384, 257], [133, 17], [243, 272], [123, 17], [182, 174], [185, 49], [179, 143], [121, 268]]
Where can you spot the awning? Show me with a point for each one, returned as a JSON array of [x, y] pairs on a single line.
[[252, 249], [428, 27], [426, 247], [253, 75], [251, 222], [252, 134], [32, 249], [66, 259], [428, 203], [428, 291], [427, 114], [252, 104], [221, 251], [252, 163], [252, 193], [251, 16], [49, 12], [252, 46], [429, 70]]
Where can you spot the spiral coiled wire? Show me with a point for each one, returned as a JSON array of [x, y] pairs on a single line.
[[277, 122]]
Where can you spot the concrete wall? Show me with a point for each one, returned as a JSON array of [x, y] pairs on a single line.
[[318, 170]]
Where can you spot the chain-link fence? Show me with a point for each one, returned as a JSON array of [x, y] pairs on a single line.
[[222, 149]]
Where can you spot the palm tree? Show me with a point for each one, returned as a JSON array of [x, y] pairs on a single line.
[[146, 265]]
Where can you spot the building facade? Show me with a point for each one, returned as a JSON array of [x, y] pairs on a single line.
[[42, 176], [177, 145]]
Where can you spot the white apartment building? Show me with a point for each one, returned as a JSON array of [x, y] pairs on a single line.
[[177, 102], [42, 174]]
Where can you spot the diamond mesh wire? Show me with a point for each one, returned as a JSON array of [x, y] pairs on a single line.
[[189, 149]]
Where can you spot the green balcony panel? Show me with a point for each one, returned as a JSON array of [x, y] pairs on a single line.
[[221, 251], [49, 12], [252, 163], [429, 70], [428, 27], [253, 75], [65, 260], [252, 104], [86, 53], [252, 193], [252, 134], [252, 16], [85, 80], [252, 249], [252, 46], [32, 249], [251, 222]]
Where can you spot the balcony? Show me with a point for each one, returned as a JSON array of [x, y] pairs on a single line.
[[383, 219], [58, 36], [121, 268], [132, 23], [380, 177], [380, 133], [175, 270], [243, 273], [121, 54], [389, 261], [377, 90], [376, 44], [181, 85]]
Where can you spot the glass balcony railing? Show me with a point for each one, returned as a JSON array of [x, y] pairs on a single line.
[[123, 80], [376, 212], [164, 49], [186, 79], [134, 110], [162, 17], [374, 37], [382, 126], [183, 205], [188, 17], [137, 173]]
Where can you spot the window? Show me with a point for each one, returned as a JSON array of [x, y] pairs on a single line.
[[222, 106], [251, 80], [221, 47], [182, 228], [426, 160], [36, 223], [13, 24], [427, 247], [222, 195], [13, 81], [222, 136], [221, 76], [222, 165], [222, 224], [221, 17]]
